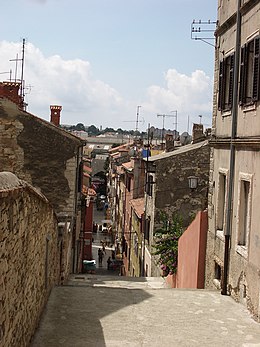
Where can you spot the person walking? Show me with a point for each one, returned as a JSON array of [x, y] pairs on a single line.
[[109, 263], [100, 256]]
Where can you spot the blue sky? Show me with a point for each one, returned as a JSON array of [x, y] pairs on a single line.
[[99, 59]]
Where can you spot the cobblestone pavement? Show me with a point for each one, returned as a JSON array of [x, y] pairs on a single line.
[[99, 311], [107, 310]]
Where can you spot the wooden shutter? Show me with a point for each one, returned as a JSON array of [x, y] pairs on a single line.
[[256, 71], [221, 86], [242, 86], [231, 81]]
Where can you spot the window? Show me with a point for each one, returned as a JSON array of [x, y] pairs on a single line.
[[128, 183], [149, 185], [136, 244], [147, 229], [243, 213], [221, 206], [249, 91], [226, 80]]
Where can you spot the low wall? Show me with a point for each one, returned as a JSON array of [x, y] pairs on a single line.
[[28, 259], [191, 255]]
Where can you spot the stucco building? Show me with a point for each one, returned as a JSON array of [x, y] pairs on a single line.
[[233, 247]]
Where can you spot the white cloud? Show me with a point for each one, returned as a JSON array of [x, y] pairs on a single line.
[[87, 100], [189, 95]]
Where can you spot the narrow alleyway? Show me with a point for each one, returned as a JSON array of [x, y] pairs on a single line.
[[107, 310]]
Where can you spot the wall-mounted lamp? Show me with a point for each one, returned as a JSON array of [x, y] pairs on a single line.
[[193, 182]]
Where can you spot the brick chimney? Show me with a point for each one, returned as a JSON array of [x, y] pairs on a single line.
[[169, 139], [197, 133], [10, 90], [55, 114]]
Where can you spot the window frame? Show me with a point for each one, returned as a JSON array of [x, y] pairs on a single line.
[[249, 87], [223, 196], [226, 83], [242, 249]]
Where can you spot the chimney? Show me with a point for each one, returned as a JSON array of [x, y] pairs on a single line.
[[197, 133], [169, 139], [10, 90], [55, 114]]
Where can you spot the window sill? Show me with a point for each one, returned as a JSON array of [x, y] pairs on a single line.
[[242, 250], [226, 113], [249, 108], [220, 235]]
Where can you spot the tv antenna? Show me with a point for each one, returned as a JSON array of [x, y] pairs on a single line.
[[7, 72], [22, 88], [163, 119], [137, 121], [203, 30]]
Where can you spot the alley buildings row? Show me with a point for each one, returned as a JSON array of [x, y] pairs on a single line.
[[212, 183], [48, 187]]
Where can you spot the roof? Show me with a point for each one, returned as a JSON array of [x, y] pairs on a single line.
[[180, 150], [128, 166], [10, 182], [88, 191], [138, 206], [125, 146], [11, 108], [87, 168]]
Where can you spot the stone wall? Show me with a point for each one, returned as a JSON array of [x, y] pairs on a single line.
[[29, 264]]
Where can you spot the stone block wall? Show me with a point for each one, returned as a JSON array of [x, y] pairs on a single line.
[[29, 264]]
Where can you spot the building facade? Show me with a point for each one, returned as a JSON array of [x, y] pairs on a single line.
[[233, 247], [48, 158], [168, 190]]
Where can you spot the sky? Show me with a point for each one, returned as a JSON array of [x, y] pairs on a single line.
[[101, 59]]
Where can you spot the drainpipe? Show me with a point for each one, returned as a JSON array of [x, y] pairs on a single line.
[[228, 228]]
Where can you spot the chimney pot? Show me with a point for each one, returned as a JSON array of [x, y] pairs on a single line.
[[55, 114]]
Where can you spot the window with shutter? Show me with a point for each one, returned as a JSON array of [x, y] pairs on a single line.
[[249, 73], [256, 71], [226, 80]]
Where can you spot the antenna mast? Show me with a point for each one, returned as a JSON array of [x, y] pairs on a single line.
[[163, 118], [137, 119], [22, 81]]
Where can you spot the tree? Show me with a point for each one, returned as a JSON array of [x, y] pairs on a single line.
[[166, 242], [92, 130], [80, 127]]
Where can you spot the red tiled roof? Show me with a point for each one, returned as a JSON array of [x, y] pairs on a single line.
[[138, 206], [128, 165], [87, 168]]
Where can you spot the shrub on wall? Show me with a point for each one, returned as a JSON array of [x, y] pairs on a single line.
[[166, 243]]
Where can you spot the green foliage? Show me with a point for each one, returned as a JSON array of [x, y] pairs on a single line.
[[93, 131], [166, 242]]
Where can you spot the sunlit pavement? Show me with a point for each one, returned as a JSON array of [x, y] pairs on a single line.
[[107, 310], [111, 311]]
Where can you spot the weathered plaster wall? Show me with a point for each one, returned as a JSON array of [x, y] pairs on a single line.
[[40, 154], [29, 263], [173, 194]]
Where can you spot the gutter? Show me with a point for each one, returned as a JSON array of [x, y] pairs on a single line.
[[227, 232]]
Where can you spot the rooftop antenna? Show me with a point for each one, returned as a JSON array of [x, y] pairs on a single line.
[[22, 94], [9, 72], [163, 118], [137, 118], [175, 119], [203, 30], [200, 116], [137, 121]]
